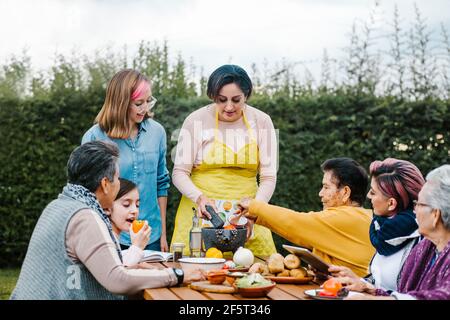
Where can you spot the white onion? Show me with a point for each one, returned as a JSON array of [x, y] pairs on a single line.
[[243, 257], [230, 264]]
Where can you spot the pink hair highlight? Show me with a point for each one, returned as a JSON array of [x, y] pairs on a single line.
[[398, 179], [141, 88]]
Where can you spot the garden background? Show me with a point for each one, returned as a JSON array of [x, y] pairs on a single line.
[[370, 104]]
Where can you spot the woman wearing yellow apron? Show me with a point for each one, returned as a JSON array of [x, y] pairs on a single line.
[[221, 150]]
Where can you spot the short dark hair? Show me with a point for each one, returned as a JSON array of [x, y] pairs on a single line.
[[125, 187], [348, 172], [91, 162], [227, 74]]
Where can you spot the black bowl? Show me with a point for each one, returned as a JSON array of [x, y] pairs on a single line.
[[223, 239]]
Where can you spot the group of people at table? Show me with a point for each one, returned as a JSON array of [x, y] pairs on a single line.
[[227, 152]]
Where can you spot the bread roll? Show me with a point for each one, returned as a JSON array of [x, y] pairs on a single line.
[[291, 261], [276, 263], [298, 273], [257, 268], [284, 273]]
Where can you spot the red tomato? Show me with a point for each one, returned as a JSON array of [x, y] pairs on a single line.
[[332, 286], [225, 266], [137, 225]]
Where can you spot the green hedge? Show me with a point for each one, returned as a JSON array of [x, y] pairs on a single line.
[[39, 134]]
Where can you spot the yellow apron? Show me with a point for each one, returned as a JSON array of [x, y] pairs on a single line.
[[226, 177]]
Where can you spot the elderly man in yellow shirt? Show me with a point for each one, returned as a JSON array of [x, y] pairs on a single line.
[[339, 234]]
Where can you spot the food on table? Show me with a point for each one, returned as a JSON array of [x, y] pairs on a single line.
[[276, 263], [137, 225], [229, 227], [298, 273], [213, 253], [243, 257], [284, 273], [252, 280], [330, 288], [291, 261]]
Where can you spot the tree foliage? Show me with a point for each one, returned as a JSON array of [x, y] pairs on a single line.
[[366, 114]]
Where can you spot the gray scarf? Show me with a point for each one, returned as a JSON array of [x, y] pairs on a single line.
[[80, 193]]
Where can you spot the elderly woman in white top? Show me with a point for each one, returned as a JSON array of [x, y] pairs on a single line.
[[425, 274]]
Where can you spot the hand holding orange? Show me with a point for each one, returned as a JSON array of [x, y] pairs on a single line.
[[137, 225], [213, 253]]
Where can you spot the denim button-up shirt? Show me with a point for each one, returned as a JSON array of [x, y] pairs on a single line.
[[143, 161]]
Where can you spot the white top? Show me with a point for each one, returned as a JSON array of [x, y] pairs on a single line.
[[385, 269], [89, 242], [132, 256]]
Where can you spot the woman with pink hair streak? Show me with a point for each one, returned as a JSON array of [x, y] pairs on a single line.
[[425, 275], [126, 120], [395, 185]]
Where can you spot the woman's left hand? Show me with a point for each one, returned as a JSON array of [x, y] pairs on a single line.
[[349, 279], [163, 243], [368, 297]]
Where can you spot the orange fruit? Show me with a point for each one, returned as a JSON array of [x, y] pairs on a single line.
[[213, 253], [332, 286], [227, 205], [137, 225]]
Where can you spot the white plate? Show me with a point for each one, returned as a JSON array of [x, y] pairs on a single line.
[[202, 260], [201, 263], [314, 293]]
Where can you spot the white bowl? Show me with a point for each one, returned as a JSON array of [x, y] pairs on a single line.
[[241, 222], [201, 263]]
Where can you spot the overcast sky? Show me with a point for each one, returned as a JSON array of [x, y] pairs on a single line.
[[211, 32]]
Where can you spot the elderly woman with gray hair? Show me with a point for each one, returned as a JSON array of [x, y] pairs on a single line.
[[426, 272]]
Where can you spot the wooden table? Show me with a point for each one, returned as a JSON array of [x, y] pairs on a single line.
[[280, 292]]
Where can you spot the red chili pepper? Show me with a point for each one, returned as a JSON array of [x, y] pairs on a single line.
[[325, 293]]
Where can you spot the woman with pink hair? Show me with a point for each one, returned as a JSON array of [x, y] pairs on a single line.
[[126, 120], [395, 185]]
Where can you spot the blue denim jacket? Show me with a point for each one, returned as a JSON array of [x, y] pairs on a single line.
[[143, 161]]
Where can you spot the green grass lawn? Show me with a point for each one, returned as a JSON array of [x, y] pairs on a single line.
[[8, 279]]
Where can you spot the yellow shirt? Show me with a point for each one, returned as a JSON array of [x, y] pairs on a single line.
[[339, 235]]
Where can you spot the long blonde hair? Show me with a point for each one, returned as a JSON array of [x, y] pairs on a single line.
[[113, 117]]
